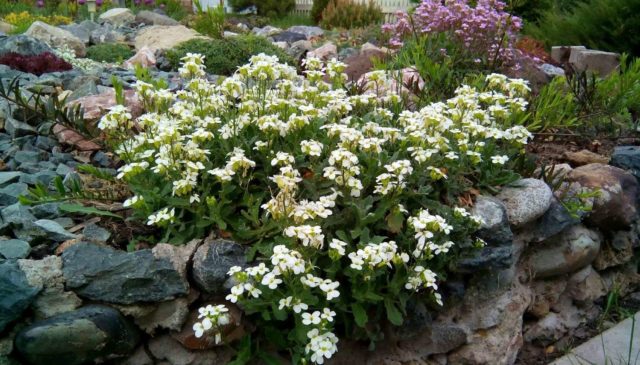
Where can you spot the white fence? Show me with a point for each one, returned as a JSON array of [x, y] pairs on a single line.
[[389, 7]]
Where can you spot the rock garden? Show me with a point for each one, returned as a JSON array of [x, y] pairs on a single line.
[[261, 183]]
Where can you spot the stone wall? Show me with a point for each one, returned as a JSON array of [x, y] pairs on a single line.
[[538, 280]]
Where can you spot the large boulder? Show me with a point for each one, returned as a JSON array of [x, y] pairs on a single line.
[[361, 63], [325, 52], [526, 200], [164, 37], [106, 34], [95, 106], [78, 337], [288, 37], [24, 45], [56, 37], [565, 253], [153, 18], [616, 206], [102, 273], [15, 293], [118, 16], [267, 31], [213, 260], [600, 62]]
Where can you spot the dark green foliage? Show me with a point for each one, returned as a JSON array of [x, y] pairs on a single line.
[[224, 56], [351, 14], [109, 52], [532, 10], [270, 8], [610, 25], [317, 9]]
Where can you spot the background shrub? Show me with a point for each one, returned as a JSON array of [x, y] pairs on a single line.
[[611, 25], [270, 8], [37, 65], [109, 52], [224, 56], [349, 14], [317, 9]]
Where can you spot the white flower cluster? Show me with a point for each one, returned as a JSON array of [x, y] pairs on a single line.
[[213, 318], [69, 55], [266, 128]]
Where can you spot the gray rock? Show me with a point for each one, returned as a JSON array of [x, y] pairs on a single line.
[[23, 45], [87, 89], [562, 54], [266, 31], [299, 49], [555, 220], [44, 177], [15, 293], [168, 315], [117, 16], [27, 157], [16, 128], [56, 37], [64, 170], [95, 233], [567, 252], [551, 71], [347, 52], [288, 37], [10, 193], [9, 176], [308, 31], [153, 18], [120, 277], [213, 260], [495, 228], [526, 200], [14, 249], [485, 258], [82, 30], [627, 158], [87, 334], [45, 143], [106, 34], [53, 230], [17, 214]]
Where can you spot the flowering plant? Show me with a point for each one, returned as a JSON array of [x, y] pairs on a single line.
[[347, 200], [485, 33]]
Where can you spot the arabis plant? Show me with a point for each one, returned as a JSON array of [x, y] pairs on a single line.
[[347, 202]]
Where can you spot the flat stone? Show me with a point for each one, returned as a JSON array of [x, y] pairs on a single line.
[[584, 157], [82, 30], [14, 249], [17, 214], [87, 334], [485, 258], [567, 252], [612, 345], [53, 230], [288, 37], [123, 278], [153, 18], [15, 293], [164, 37], [9, 176], [562, 54], [526, 200], [600, 62], [95, 233], [213, 260]]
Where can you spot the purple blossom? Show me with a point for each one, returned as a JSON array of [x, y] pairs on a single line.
[[40, 3], [486, 30], [99, 2], [148, 2], [137, 2], [82, 2]]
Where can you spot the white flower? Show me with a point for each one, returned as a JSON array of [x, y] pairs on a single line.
[[311, 318], [499, 160], [311, 148]]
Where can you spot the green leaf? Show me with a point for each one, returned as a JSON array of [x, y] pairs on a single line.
[[268, 358], [81, 209], [393, 314], [395, 221], [359, 314]]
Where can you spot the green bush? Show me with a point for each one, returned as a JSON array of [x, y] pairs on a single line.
[[350, 14], [209, 21], [224, 56], [317, 9], [611, 25], [270, 8], [109, 52]]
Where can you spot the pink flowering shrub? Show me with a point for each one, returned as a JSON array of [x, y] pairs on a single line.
[[486, 33]]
